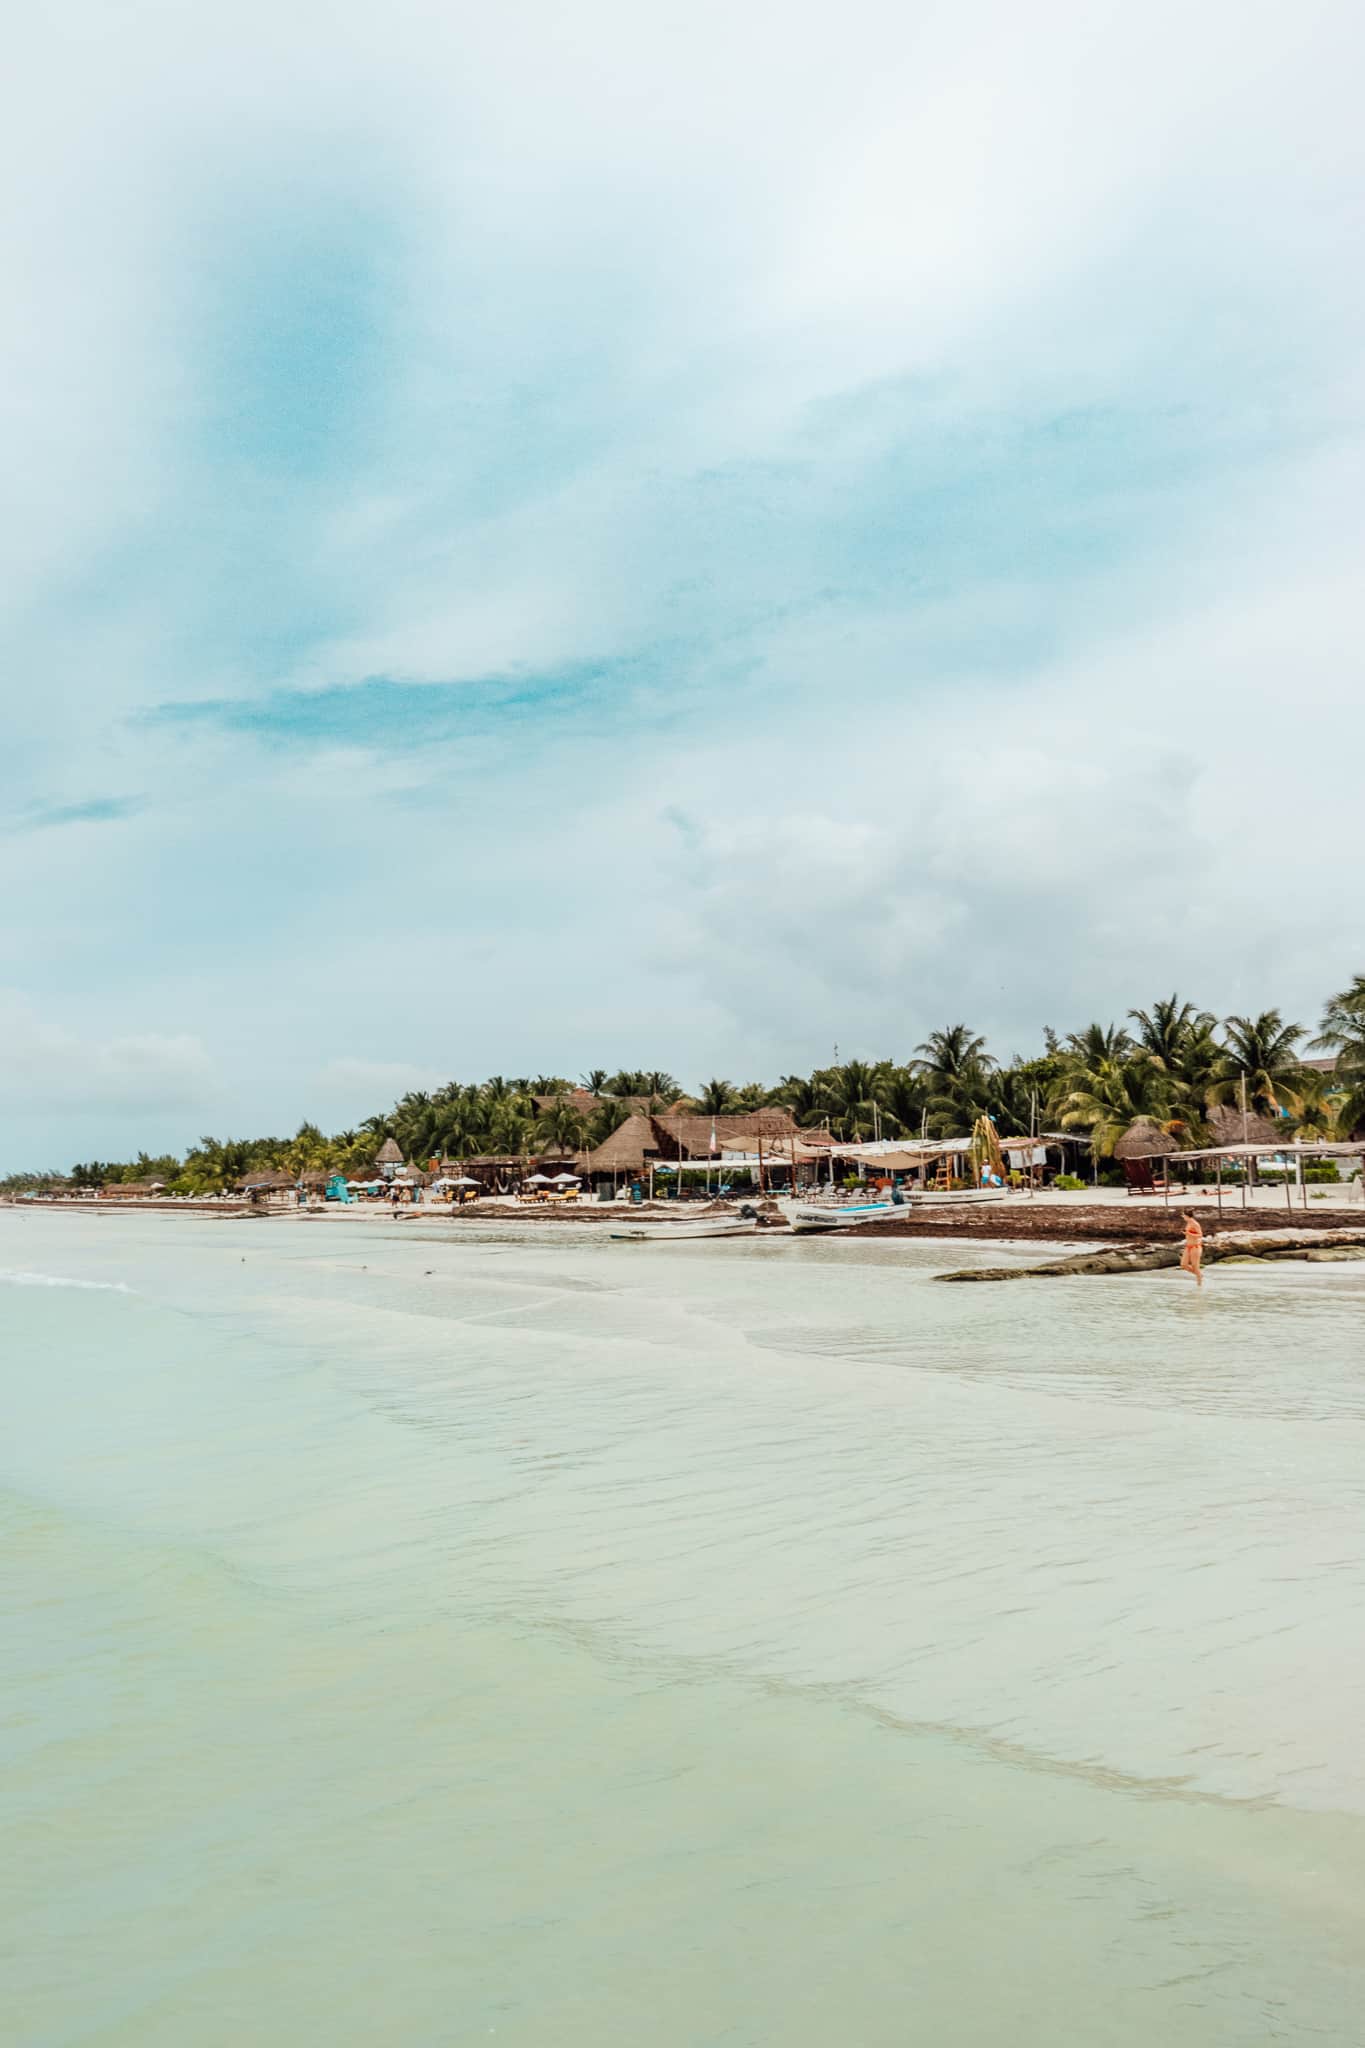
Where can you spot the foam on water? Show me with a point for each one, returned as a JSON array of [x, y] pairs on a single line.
[[10, 1278]]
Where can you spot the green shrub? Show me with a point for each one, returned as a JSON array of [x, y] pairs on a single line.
[[1068, 1180]]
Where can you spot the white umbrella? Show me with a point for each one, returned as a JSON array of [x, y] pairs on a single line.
[[540, 1180], [463, 1182], [564, 1180]]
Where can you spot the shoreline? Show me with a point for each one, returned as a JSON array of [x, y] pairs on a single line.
[[1014, 1222]]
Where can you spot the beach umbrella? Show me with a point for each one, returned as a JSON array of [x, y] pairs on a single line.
[[540, 1180], [464, 1181], [566, 1180], [1146, 1140]]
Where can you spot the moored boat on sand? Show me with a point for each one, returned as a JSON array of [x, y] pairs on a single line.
[[673, 1233], [835, 1215]]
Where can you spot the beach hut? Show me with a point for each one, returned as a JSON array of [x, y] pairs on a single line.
[[263, 1188], [388, 1159], [627, 1154], [1142, 1142], [1230, 1126]]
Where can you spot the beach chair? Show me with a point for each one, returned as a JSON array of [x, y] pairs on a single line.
[[1140, 1178]]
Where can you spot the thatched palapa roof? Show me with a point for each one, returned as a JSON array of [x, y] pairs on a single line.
[[689, 1137], [388, 1154], [629, 1148], [1146, 1140], [1225, 1128]]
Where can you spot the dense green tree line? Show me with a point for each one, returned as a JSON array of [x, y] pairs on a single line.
[[1172, 1063]]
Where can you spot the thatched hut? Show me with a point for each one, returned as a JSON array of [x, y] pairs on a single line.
[[388, 1158], [1228, 1127], [700, 1137], [497, 1173], [1145, 1139], [262, 1188], [631, 1149]]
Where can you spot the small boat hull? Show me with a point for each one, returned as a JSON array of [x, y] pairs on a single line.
[[805, 1216], [677, 1233]]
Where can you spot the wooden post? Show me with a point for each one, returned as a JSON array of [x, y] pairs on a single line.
[[1218, 1176]]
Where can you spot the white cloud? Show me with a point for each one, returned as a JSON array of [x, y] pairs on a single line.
[[950, 414], [47, 1063]]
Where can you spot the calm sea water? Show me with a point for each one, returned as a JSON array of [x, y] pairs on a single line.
[[562, 1642]]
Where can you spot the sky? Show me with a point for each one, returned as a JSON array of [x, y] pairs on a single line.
[[547, 538]]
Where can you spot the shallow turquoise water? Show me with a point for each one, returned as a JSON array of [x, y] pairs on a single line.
[[535, 1638]]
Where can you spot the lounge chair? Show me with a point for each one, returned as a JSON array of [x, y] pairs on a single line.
[[1141, 1179]]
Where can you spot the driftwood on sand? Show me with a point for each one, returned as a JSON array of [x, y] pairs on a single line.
[[1320, 1246]]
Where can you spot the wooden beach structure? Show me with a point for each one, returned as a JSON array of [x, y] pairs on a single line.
[[683, 1146], [1293, 1152]]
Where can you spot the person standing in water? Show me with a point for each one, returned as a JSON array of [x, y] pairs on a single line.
[[1192, 1258]]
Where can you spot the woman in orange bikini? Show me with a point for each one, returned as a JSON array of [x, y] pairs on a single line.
[[1192, 1258]]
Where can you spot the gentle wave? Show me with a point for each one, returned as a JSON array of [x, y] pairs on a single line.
[[12, 1278]]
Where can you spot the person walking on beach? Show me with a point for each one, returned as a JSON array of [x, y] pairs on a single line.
[[1192, 1258]]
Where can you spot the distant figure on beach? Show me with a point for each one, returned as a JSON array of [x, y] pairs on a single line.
[[1192, 1258]]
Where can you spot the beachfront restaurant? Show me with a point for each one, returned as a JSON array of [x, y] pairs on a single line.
[[685, 1154]]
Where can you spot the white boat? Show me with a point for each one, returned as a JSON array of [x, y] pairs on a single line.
[[836, 1215], [673, 1233]]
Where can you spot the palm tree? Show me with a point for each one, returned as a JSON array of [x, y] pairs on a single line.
[[799, 1094], [560, 1127], [1343, 1021], [1115, 1095], [1165, 1030], [716, 1098], [1320, 1108], [1260, 1054], [1018, 1098], [307, 1151], [1343, 1032], [1100, 1042], [852, 1097], [956, 1066], [594, 1081], [905, 1100]]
